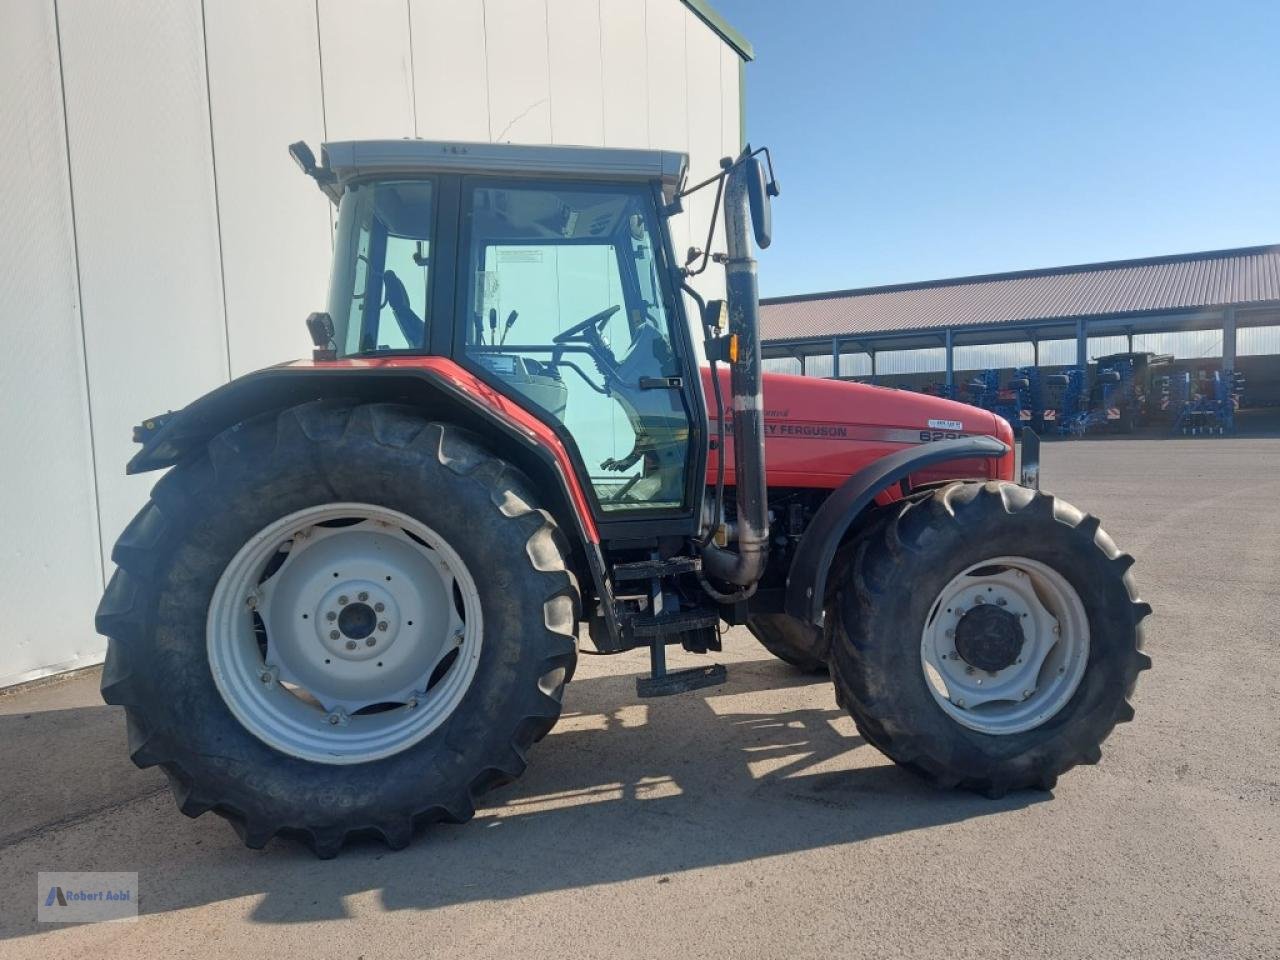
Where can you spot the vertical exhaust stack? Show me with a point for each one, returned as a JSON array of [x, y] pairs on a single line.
[[746, 196]]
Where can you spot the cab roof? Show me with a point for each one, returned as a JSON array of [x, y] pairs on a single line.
[[348, 160]]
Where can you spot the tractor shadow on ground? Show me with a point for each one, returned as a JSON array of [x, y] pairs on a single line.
[[622, 790]]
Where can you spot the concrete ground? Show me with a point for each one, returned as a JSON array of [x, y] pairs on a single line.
[[749, 820]]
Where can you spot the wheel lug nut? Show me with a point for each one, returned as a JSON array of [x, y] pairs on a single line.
[[331, 616], [379, 607], [343, 600], [382, 625], [351, 644], [334, 634], [371, 641], [363, 596], [1001, 602], [978, 600], [950, 632]]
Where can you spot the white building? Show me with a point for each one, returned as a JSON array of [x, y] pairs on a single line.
[[156, 239]]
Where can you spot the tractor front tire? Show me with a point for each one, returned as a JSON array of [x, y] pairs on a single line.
[[1035, 680], [387, 492]]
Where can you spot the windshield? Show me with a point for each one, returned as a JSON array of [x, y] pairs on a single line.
[[380, 289]]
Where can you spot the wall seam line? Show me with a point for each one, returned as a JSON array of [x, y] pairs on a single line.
[[84, 340], [413, 68], [546, 36], [217, 205], [600, 46], [488, 91], [324, 107]]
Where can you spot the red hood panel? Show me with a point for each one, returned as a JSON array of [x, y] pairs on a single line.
[[818, 432]]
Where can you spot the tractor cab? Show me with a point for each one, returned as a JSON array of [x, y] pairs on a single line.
[[548, 273]]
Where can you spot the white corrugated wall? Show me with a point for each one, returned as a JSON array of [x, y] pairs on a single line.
[[156, 239]]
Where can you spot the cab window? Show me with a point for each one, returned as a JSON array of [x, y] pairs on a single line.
[[380, 289]]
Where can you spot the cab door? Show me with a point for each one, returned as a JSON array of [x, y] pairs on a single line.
[[564, 308]]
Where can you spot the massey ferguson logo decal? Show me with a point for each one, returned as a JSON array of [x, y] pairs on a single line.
[[818, 430], [806, 430]]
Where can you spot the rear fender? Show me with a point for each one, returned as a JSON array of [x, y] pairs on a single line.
[[807, 579], [436, 386]]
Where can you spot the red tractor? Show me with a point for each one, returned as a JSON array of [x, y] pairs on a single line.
[[354, 599]]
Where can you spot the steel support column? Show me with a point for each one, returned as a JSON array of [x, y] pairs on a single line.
[[835, 358], [951, 371], [872, 355], [1228, 339], [1082, 344]]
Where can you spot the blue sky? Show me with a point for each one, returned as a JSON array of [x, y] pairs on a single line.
[[923, 139]]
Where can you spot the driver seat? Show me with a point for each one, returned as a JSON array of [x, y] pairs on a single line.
[[411, 326]]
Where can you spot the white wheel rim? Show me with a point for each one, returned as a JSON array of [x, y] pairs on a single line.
[[1050, 660], [329, 655]]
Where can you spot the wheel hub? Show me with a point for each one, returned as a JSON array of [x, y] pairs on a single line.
[[989, 637], [357, 620]]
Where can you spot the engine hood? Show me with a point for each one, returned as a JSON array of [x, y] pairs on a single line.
[[820, 432], [814, 400]]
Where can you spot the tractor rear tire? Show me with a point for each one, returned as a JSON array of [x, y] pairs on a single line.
[[891, 610], [784, 637], [162, 664]]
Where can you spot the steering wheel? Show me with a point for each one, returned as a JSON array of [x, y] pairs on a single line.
[[588, 329]]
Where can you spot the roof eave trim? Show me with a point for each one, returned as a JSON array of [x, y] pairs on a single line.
[[713, 19]]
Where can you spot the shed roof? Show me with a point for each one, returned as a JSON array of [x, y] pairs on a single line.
[[1184, 282]]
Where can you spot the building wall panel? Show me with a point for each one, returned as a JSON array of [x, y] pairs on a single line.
[[519, 73], [575, 64], [450, 69], [273, 221], [49, 553], [624, 73], [146, 224], [367, 63]]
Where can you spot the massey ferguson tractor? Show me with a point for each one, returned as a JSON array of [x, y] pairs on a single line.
[[354, 599]]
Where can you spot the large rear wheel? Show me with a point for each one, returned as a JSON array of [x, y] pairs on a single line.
[[989, 637], [341, 620]]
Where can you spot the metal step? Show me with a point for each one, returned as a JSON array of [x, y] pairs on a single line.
[[667, 623], [648, 569], [682, 681]]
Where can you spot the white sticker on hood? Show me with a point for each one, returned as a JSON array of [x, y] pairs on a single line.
[[946, 425]]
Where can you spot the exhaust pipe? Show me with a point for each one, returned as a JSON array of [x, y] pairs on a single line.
[[745, 195]]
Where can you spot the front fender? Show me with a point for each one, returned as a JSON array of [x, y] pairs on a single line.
[[807, 579]]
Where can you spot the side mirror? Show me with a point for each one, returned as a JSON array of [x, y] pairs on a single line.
[[758, 194]]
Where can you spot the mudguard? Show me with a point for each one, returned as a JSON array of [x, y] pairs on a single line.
[[807, 579]]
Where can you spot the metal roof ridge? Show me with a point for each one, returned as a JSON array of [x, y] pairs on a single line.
[[1026, 274]]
